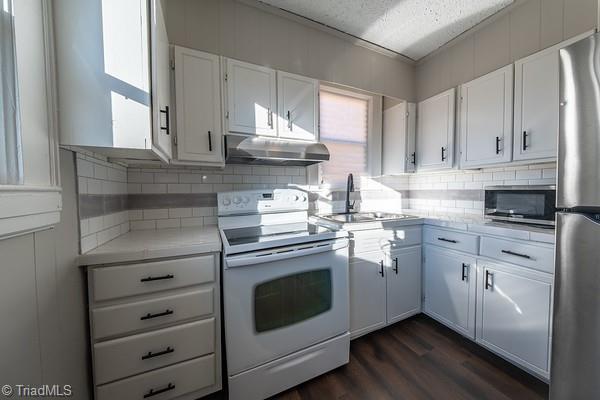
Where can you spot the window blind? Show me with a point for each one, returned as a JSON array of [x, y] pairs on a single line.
[[10, 141], [344, 130]]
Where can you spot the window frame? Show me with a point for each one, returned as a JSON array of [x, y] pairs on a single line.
[[374, 124]]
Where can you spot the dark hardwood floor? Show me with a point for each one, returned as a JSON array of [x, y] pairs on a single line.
[[420, 359]]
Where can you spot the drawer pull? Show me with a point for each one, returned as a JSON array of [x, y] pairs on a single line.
[[154, 392], [157, 278], [162, 314], [465, 272], [512, 253], [447, 240], [396, 265], [489, 285], [150, 354]]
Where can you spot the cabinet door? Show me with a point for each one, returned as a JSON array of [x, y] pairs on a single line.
[[514, 314], [297, 106], [199, 133], [536, 106], [367, 293], [449, 284], [399, 138], [435, 132], [161, 83], [251, 98], [403, 272], [486, 119]]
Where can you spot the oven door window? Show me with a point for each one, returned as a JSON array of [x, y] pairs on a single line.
[[291, 299]]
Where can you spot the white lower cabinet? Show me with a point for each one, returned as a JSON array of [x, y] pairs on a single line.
[[515, 314], [403, 279], [449, 284], [367, 293], [385, 281], [155, 328]]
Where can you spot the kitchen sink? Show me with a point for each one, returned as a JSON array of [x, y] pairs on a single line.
[[358, 217]]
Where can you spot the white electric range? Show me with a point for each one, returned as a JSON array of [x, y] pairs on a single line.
[[285, 291]]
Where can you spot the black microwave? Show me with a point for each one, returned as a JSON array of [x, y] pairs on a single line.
[[534, 205]]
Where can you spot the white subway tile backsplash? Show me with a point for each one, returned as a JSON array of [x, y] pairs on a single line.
[[180, 213], [504, 175], [142, 225], [202, 188], [179, 188], [154, 188], [529, 174], [160, 213], [549, 173], [166, 178], [168, 223]]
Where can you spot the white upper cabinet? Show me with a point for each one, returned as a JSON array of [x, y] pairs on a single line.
[[197, 88], [435, 131], [297, 107], [251, 98], [161, 75], [399, 125], [486, 123], [536, 106], [510, 296], [108, 54]]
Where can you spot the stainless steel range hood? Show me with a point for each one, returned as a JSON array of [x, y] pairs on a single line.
[[272, 151]]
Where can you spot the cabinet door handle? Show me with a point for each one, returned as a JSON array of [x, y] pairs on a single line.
[[269, 118], [289, 120], [524, 141], [154, 392], [166, 128], [157, 278], [497, 144], [150, 354], [512, 253], [396, 265], [447, 240], [209, 141], [443, 155], [414, 158], [465, 272], [381, 268], [160, 314], [489, 275]]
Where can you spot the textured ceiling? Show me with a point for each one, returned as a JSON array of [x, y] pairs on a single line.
[[413, 28]]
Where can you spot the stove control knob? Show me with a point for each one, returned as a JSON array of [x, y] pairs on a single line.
[[226, 201], [303, 198], [246, 200], [295, 198], [237, 200]]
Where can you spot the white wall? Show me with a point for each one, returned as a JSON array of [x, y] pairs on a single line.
[[526, 29], [236, 30]]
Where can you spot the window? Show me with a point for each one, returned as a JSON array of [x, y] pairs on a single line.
[[10, 140], [344, 129]]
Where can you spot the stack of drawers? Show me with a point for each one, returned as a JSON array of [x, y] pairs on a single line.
[[155, 329]]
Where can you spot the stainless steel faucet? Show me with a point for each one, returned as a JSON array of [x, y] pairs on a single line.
[[349, 189]]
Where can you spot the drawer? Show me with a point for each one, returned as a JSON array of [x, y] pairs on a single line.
[[174, 381], [128, 280], [385, 239], [519, 252], [129, 317], [458, 241], [120, 358]]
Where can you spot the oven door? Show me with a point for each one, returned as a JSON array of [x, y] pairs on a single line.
[[281, 302]]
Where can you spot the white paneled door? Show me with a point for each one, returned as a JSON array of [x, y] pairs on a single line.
[[251, 98], [403, 283], [435, 131], [199, 128], [486, 124], [449, 283], [297, 107], [368, 297]]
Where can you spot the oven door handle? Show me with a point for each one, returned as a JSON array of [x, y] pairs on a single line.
[[285, 253]]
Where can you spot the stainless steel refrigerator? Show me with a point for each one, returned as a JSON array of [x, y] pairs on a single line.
[[575, 371]]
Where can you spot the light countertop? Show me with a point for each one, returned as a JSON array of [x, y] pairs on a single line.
[[151, 244]]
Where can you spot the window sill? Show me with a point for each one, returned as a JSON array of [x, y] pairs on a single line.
[[26, 209]]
